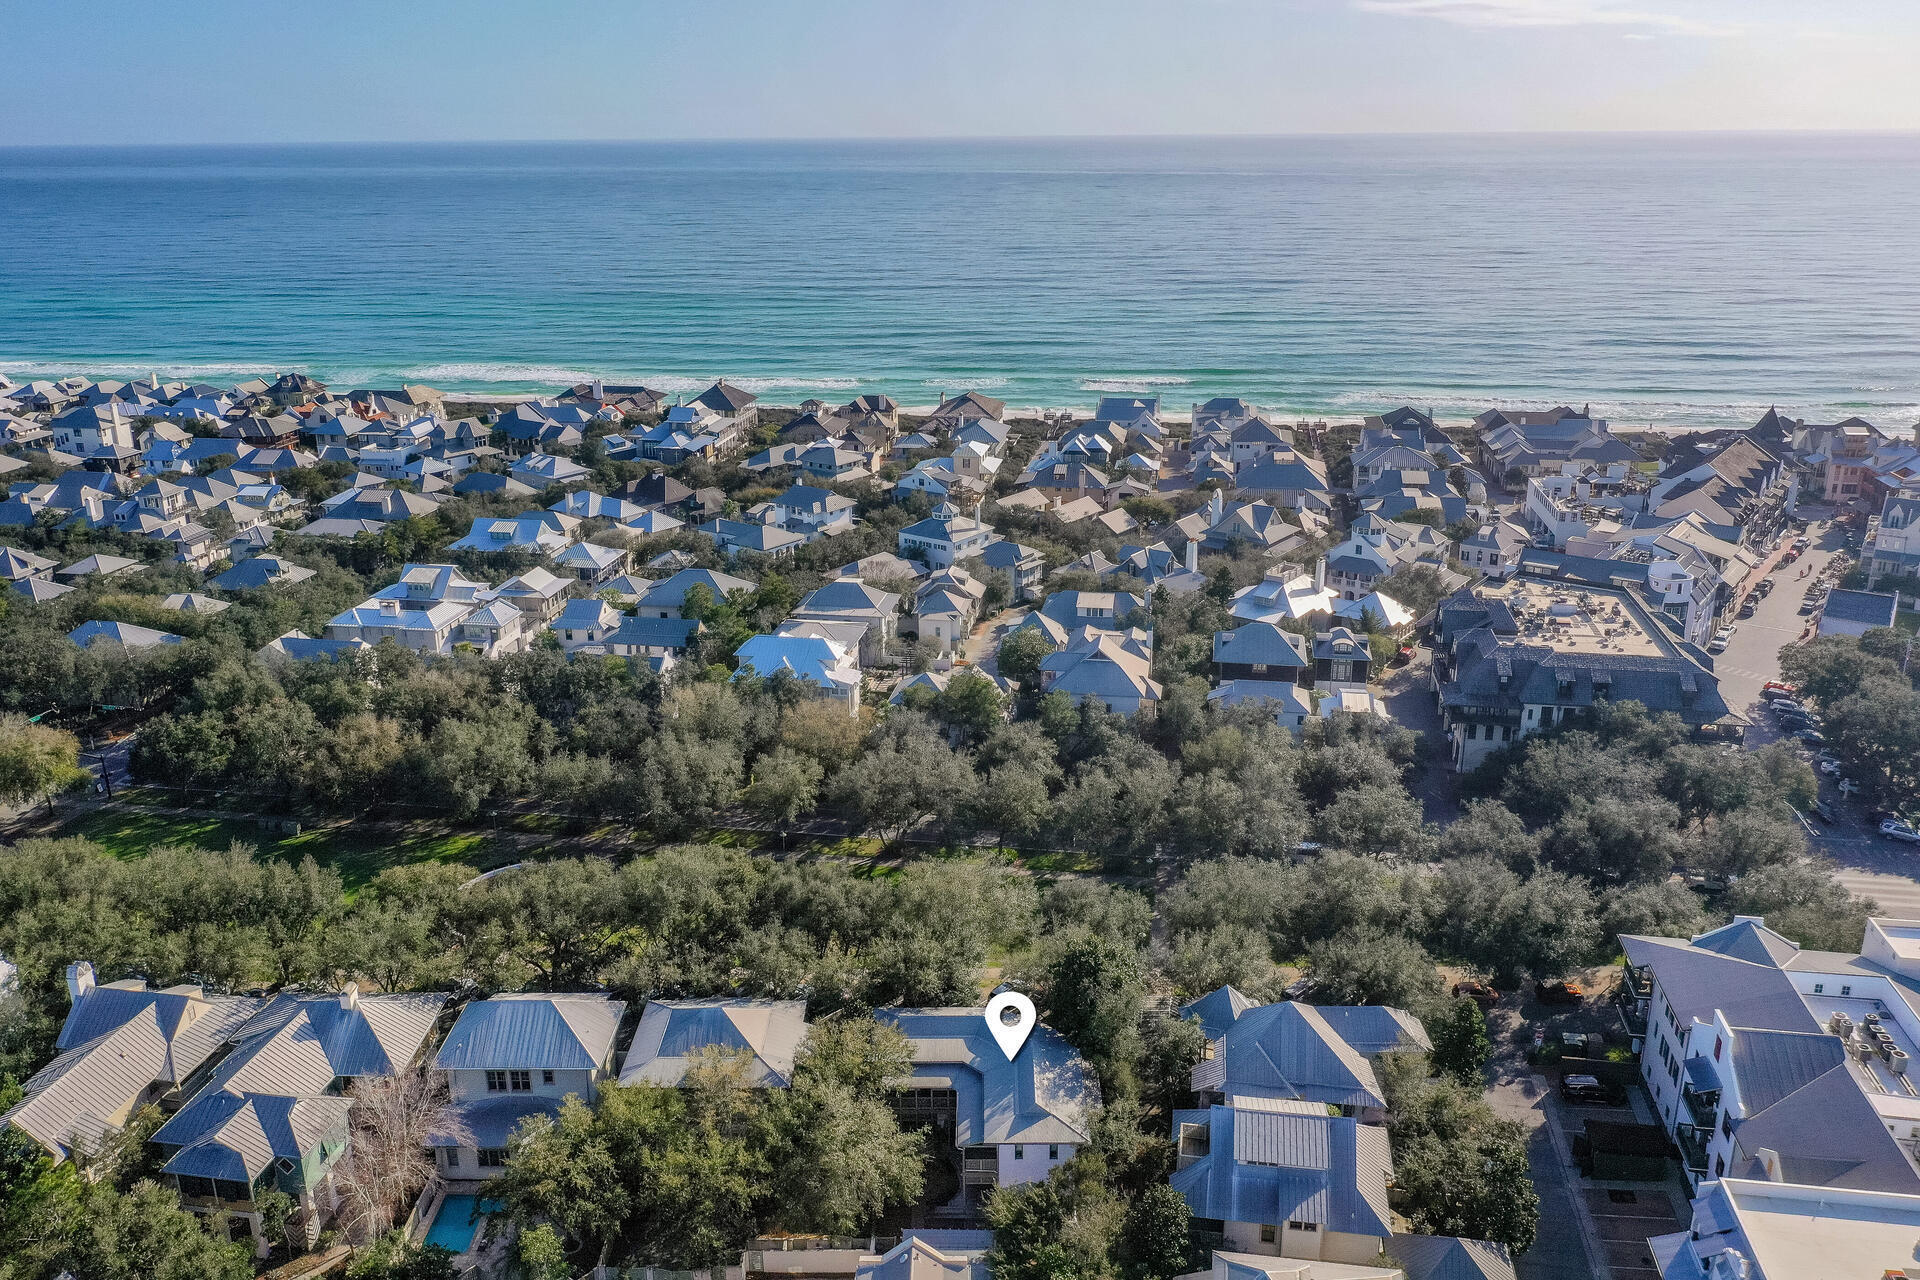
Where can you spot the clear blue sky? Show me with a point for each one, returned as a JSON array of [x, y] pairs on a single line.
[[351, 70]]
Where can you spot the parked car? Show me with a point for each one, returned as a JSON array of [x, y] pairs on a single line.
[[1809, 605], [1894, 829], [1478, 992], [1824, 811], [1830, 767], [1802, 543], [1784, 704], [1559, 992], [1812, 737], [1747, 609], [1778, 686], [1582, 1088]]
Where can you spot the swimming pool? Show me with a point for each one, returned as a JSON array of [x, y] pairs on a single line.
[[456, 1221]]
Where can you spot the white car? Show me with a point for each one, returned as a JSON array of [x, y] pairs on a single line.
[[1895, 829], [1830, 767]]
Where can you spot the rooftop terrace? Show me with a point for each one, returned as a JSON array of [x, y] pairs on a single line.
[[1578, 619]]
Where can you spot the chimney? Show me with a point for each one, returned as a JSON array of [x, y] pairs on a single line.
[[1216, 507], [350, 996], [1320, 574], [599, 389], [79, 980], [1193, 555]]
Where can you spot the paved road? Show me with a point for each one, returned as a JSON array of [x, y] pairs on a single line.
[[1753, 656], [1564, 1248]]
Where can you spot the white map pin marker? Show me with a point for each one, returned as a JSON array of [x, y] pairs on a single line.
[[1010, 1017]]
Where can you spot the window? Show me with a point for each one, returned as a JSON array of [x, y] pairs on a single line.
[[1053, 1151], [1266, 1234], [285, 1165], [1726, 1126], [493, 1157], [453, 1157], [1846, 991], [496, 1082], [1716, 1048], [1818, 987], [522, 1081], [1303, 1226], [1019, 1151], [546, 1077]]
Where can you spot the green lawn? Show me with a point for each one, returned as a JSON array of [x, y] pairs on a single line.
[[357, 856]]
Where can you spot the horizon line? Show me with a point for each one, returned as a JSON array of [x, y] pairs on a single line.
[[747, 139]]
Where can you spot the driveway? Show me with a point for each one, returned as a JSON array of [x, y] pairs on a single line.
[[1561, 1250]]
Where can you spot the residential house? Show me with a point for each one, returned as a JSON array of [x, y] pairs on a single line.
[[1011, 1121], [1291, 705], [1286, 1179], [657, 639], [493, 484], [539, 593], [953, 412], [945, 608], [1105, 610], [511, 1057], [1114, 668], [542, 533], [1025, 567], [100, 566], [832, 668], [261, 572], [494, 629], [667, 598], [811, 512], [124, 634], [1494, 548], [588, 505], [17, 565], [729, 401], [272, 1114], [193, 602], [543, 470], [585, 622], [298, 646], [123, 1045], [874, 614], [675, 1035], [946, 537], [734, 536], [1518, 444], [1262, 651], [591, 565]]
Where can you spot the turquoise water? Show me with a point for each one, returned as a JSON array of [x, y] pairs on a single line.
[[1677, 279], [457, 1220]]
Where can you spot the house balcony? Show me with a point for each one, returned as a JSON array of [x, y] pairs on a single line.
[[1632, 997], [1693, 1147], [1703, 1106]]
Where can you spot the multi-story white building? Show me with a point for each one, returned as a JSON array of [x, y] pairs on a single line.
[[1764, 1060]]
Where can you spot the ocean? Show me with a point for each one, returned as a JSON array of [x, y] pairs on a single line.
[[1676, 281]]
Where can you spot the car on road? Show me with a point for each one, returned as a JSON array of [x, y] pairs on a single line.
[[1559, 992], [1478, 992], [1581, 1088], [1895, 829]]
